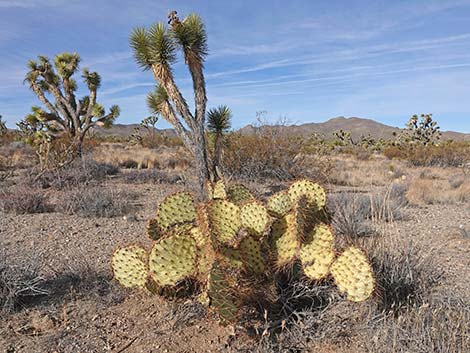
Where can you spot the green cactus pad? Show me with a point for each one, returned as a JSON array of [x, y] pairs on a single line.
[[353, 274], [250, 250], [153, 229], [225, 221], [176, 209], [130, 266], [279, 204], [254, 217], [231, 257], [314, 193], [218, 191], [239, 194], [172, 259], [221, 294], [317, 253], [284, 240]]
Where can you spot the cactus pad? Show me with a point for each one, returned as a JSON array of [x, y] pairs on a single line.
[[225, 221], [218, 191], [314, 193], [239, 194], [172, 259], [353, 274], [250, 250], [317, 253], [176, 209], [284, 240], [254, 218], [232, 257], [130, 266], [221, 295], [279, 204]]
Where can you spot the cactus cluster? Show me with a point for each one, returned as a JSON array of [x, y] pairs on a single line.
[[227, 242]]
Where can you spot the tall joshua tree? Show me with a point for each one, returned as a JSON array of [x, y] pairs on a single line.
[[55, 87], [155, 49], [218, 122]]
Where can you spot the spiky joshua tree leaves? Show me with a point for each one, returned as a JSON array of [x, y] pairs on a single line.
[[65, 114], [218, 122], [155, 49], [423, 131], [234, 247]]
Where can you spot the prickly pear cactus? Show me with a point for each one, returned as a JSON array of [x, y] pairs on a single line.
[[227, 242]]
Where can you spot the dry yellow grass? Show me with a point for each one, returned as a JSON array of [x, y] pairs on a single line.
[[125, 156], [430, 191]]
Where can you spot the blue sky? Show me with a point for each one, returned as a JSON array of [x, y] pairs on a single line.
[[306, 61]]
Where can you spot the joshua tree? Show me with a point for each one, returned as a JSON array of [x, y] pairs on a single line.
[[66, 115], [155, 49], [149, 124], [218, 123], [3, 127], [424, 131]]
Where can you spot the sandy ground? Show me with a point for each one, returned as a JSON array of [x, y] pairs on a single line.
[[87, 311]]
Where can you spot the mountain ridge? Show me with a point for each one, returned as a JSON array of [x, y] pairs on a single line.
[[356, 125]]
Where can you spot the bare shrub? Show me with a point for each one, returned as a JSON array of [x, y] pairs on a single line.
[[96, 202], [153, 176], [19, 284], [440, 327], [22, 199], [77, 173], [270, 153]]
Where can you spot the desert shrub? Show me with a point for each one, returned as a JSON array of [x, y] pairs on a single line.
[[350, 214], [270, 153], [440, 326], [19, 284], [22, 199], [446, 154], [96, 202], [78, 173], [154, 176]]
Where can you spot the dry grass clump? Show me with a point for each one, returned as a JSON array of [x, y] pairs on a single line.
[[432, 191], [96, 202], [138, 157], [354, 213], [20, 284], [23, 199], [441, 327], [350, 171]]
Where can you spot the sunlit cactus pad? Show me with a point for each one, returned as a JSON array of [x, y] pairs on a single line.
[[130, 266], [353, 274]]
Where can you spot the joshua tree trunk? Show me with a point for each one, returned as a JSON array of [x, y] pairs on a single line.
[[200, 159]]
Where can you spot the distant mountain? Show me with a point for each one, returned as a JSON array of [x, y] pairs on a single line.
[[357, 126]]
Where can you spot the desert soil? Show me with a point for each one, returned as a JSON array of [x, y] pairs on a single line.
[[86, 311]]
